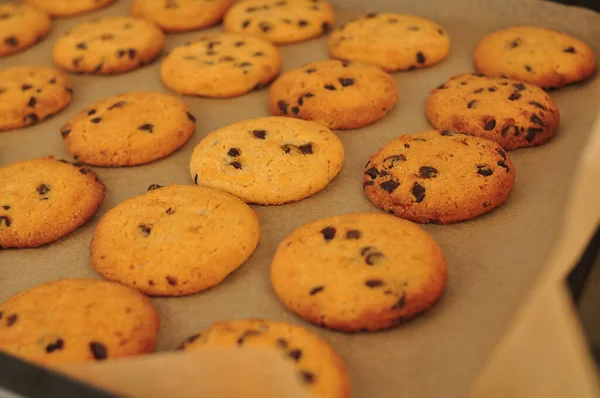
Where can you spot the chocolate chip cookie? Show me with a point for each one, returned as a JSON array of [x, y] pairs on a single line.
[[21, 26], [68, 8], [358, 272]]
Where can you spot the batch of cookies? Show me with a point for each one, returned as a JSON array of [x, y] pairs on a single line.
[[385, 266]]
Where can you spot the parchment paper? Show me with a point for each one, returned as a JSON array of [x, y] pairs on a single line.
[[493, 260]]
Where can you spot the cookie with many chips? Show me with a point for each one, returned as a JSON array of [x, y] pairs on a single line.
[[21, 26], [68, 8], [181, 15]]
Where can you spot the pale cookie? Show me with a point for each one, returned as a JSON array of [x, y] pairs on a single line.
[[439, 177], [67, 8], [221, 65], [181, 15], [358, 272], [539, 56], [129, 129], [280, 21], [77, 320], [510, 112], [31, 94], [175, 240], [43, 199], [391, 41], [319, 367], [21, 26], [270, 160], [340, 95], [108, 45]]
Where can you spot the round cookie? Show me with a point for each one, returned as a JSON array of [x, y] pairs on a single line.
[[539, 56], [30, 94], [108, 45], [77, 320], [358, 272], [67, 8], [271, 160], [129, 129], [510, 112], [439, 177], [181, 15], [391, 41], [21, 26], [175, 240], [318, 365], [43, 199], [221, 65], [340, 95], [280, 21]]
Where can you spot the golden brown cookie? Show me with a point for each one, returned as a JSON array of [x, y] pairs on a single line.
[[68, 8], [221, 65], [358, 272], [270, 160], [31, 94], [280, 21], [318, 365], [181, 15], [43, 199], [510, 112], [439, 177], [129, 129], [77, 320], [21, 26], [174, 240], [392, 41], [535, 55], [108, 45], [338, 94]]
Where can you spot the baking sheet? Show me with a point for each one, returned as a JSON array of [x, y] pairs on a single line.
[[493, 260]]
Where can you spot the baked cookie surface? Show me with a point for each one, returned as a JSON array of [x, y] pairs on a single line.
[[510, 112], [270, 160], [43, 199], [21, 26], [29, 95], [338, 94], [68, 8], [129, 129], [221, 65], [439, 177], [535, 55], [181, 15], [174, 240], [280, 21], [77, 320], [318, 365], [358, 272], [391, 41], [108, 45]]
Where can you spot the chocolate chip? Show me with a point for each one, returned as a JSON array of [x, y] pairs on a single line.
[[346, 81], [328, 233], [170, 211], [31, 118], [516, 128], [91, 112], [413, 28], [374, 283], [295, 354], [282, 343], [65, 130], [501, 153], [489, 125], [472, 104], [132, 53], [446, 133], [400, 303], [325, 26], [389, 186], [479, 90], [265, 27], [391, 161], [84, 171], [316, 290], [25, 87], [428, 172], [43, 189], [76, 61], [236, 165], [6, 207], [258, 54], [287, 148], [528, 68], [537, 105], [502, 163], [147, 127], [196, 179], [117, 105], [98, 68], [532, 132], [233, 152], [295, 110], [245, 335], [513, 43], [418, 192], [569, 50], [420, 58], [330, 87], [536, 119], [373, 257], [302, 23], [152, 187], [32, 102], [4, 16], [246, 23], [283, 106], [57, 345], [145, 229], [10, 320], [96, 120], [308, 377], [442, 87], [260, 134], [372, 172], [505, 130], [171, 280], [305, 149], [353, 234], [98, 350], [514, 96], [484, 170], [121, 53], [492, 89], [310, 70], [11, 41], [81, 46], [519, 86], [371, 15], [52, 81]]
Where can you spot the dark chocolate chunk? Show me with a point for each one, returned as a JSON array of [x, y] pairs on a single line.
[[245, 335], [11, 41], [502, 163], [265, 27], [260, 134], [287, 148], [81, 46], [57, 345], [484, 170], [25, 87], [489, 125], [246, 23], [43, 189], [305, 149], [428, 172], [324, 26], [372, 172], [389, 186], [96, 120], [145, 229], [98, 68], [472, 104], [65, 130], [31, 118], [117, 105], [295, 110], [91, 112], [147, 127], [536, 119], [374, 283], [302, 23], [420, 58], [505, 130], [258, 54], [76, 61], [99, 351], [447, 133], [171, 280], [330, 87], [283, 106], [237, 165], [52, 81], [32, 102], [170, 211], [479, 90], [295, 354], [537, 105], [328, 233], [316, 290], [346, 81], [310, 70], [569, 50], [491, 89], [418, 192], [152, 187], [400, 303], [196, 179], [282, 343], [10, 320], [391, 161], [244, 64], [121, 53], [308, 377], [353, 234], [371, 15], [233, 152], [514, 96], [132, 53], [513, 43], [528, 68], [442, 87], [501, 153], [6, 207], [519, 86], [532, 132]]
